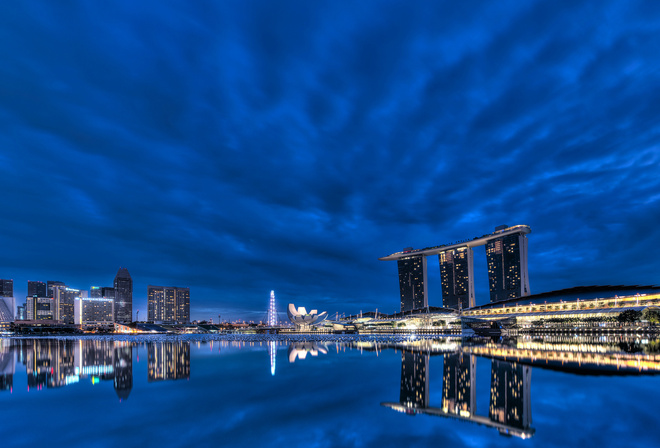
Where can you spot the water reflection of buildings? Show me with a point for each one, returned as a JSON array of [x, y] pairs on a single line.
[[510, 410], [169, 361], [52, 363], [300, 349], [510, 404], [414, 380], [7, 365]]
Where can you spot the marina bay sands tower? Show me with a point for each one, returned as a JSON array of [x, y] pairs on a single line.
[[506, 254]]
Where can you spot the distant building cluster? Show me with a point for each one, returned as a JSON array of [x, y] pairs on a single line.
[[100, 306]]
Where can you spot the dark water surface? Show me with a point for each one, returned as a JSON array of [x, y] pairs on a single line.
[[255, 391]]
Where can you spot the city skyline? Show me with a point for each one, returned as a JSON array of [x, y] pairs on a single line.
[[242, 148]]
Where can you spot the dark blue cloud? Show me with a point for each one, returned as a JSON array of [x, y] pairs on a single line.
[[241, 147]]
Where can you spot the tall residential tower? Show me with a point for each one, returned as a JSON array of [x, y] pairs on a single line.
[[168, 304]]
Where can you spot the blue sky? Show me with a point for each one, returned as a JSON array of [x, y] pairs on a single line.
[[239, 147]]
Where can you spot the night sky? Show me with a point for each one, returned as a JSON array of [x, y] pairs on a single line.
[[236, 147]]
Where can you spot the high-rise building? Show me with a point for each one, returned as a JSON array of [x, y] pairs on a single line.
[[6, 288], [123, 296], [412, 282], [95, 292], [39, 289], [507, 267], [457, 278], [65, 299], [169, 304], [49, 287], [94, 311], [41, 308]]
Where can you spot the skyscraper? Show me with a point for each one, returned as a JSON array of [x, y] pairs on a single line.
[[507, 267], [456, 278], [168, 304], [64, 300], [49, 287], [6, 288], [123, 296], [94, 311], [40, 308], [412, 282], [38, 289]]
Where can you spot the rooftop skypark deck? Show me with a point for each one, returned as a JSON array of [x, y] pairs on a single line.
[[475, 242]]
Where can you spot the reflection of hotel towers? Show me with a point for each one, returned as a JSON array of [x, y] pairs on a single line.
[[414, 380], [510, 403], [458, 381], [510, 395], [169, 361], [506, 254]]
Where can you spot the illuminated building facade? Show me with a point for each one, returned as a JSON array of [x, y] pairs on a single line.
[[457, 278], [168, 361], [94, 311], [123, 286], [50, 284], [412, 282], [40, 308], [6, 288], [65, 299], [510, 394], [168, 304], [458, 384], [414, 380], [507, 267]]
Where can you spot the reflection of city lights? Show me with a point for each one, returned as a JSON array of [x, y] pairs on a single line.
[[272, 348]]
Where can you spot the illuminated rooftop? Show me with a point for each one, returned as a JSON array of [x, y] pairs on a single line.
[[474, 242]]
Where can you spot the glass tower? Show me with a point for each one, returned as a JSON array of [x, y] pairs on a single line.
[[507, 267], [456, 267], [123, 296], [412, 282]]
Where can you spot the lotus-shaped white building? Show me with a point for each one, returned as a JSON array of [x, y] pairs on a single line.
[[304, 320]]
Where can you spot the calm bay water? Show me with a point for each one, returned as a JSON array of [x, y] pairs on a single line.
[[266, 391]]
